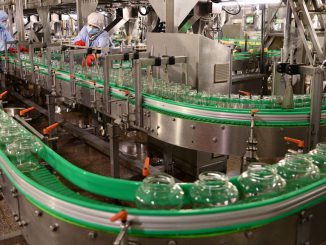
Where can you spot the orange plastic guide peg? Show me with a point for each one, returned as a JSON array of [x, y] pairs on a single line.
[[122, 215], [126, 92], [253, 112], [146, 167], [23, 112], [299, 143], [3, 94], [244, 92], [47, 130]]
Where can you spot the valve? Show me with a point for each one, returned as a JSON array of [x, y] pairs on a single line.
[[3, 94], [48, 129], [23, 112], [122, 238], [253, 112], [126, 92], [299, 143], [244, 93], [122, 215], [145, 171]]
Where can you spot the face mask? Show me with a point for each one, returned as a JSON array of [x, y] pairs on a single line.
[[92, 30]]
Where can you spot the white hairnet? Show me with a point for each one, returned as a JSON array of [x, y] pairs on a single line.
[[96, 19], [3, 16]]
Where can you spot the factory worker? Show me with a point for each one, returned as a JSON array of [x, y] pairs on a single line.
[[93, 35], [5, 36]]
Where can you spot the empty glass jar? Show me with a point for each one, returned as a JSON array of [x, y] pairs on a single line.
[[159, 192], [213, 189], [297, 170], [260, 181], [318, 158], [28, 165], [23, 150], [8, 134]]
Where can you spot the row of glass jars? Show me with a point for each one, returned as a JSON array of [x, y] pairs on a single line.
[[19, 145], [213, 189]]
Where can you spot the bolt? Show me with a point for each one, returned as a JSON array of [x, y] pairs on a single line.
[[214, 139], [54, 227], [173, 119], [222, 127], [158, 127], [310, 216], [22, 223], [38, 213], [249, 234], [193, 126], [92, 235], [172, 242]]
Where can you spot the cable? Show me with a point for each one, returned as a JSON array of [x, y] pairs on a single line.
[[229, 12]]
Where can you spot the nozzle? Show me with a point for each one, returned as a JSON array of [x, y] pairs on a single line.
[[299, 143], [48, 129], [122, 215], [146, 167], [23, 112]]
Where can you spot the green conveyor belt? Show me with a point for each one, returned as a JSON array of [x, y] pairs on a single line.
[[46, 182]]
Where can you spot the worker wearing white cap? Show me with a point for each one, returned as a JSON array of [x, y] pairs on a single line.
[[92, 35], [5, 36]]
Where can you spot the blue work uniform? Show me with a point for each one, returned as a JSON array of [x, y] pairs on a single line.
[[5, 36], [102, 41]]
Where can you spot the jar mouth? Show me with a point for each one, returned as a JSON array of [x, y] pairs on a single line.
[[261, 171], [159, 180], [297, 162], [212, 179]]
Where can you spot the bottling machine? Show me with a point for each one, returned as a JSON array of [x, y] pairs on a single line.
[[197, 90]]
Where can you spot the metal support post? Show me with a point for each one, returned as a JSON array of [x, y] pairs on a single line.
[[44, 13], [114, 133], [19, 18], [315, 107], [10, 16], [287, 32], [138, 94], [72, 76], [50, 99], [262, 51], [106, 89], [230, 73], [171, 26]]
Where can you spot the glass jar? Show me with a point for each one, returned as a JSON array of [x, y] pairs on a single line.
[[260, 181], [213, 189], [23, 150], [8, 134], [318, 158], [159, 192], [29, 165], [297, 170]]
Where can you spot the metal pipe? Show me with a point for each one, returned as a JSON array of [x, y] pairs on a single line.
[[287, 32], [262, 38]]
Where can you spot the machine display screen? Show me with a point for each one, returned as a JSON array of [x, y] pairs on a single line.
[[250, 19]]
